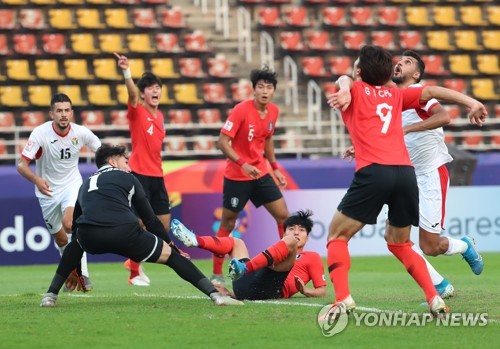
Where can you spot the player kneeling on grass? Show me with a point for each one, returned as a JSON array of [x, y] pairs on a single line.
[[279, 272], [105, 223]]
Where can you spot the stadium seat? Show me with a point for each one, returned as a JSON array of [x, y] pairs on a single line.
[[493, 14], [186, 94], [314, 67], [100, 95], [61, 18], [83, 43], [214, 93], [74, 92], [418, 16], [117, 18], [472, 139], [208, 116], [40, 95], [167, 42], [354, 40], [390, 15], [145, 18], [196, 42], [109, 43], [7, 119], [89, 18], [106, 69], [241, 90], [269, 17], [361, 16], [19, 69], [165, 98], [329, 88], [484, 89], [297, 17], [459, 85], [163, 68], [383, 38], [439, 40], [461, 65], [434, 65], [179, 116], [291, 41], [25, 44], [175, 145], [472, 15], [48, 69], [495, 141], [172, 18], [122, 94], [3, 148], [77, 69], [100, 2], [72, 2], [488, 64], [32, 118], [204, 144], [319, 40], [467, 40], [334, 16], [341, 65], [8, 19], [454, 112], [496, 110], [54, 44], [191, 67], [119, 118], [137, 67], [32, 19], [12, 96], [4, 46], [219, 66], [449, 138], [92, 118], [445, 16], [411, 40], [491, 39], [139, 43]]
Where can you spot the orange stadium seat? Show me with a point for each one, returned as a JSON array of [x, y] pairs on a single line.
[[19, 69], [459, 85], [145, 18], [291, 41], [314, 66], [472, 15], [434, 65], [167, 42], [186, 94], [92, 118], [89, 18], [209, 116], [411, 40], [461, 65], [3, 148], [484, 89], [361, 15], [83, 43], [7, 119], [418, 16], [12, 96], [119, 118], [491, 39], [467, 40], [32, 118], [8, 19], [77, 69], [445, 16], [297, 17], [180, 116], [54, 44], [241, 90], [269, 17], [495, 140], [496, 110], [32, 19], [219, 66], [117, 18], [488, 64], [383, 38], [454, 112], [4, 46], [40, 95], [175, 144], [319, 40], [354, 40], [203, 143], [439, 40], [61, 18], [191, 67], [214, 93], [48, 69], [196, 42], [100, 95], [341, 65], [25, 44], [163, 68], [172, 18], [334, 16], [472, 139], [390, 15]]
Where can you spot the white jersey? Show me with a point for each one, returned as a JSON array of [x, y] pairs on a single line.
[[57, 155], [426, 148]]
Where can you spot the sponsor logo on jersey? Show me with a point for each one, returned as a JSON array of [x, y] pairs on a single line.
[[298, 256], [52, 142]]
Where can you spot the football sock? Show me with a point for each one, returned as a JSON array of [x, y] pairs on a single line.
[[273, 255], [218, 259], [435, 276], [69, 261], [134, 269], [415, 266], [61, 249], [281, 230], [85, 268], [189, 272], [455, 246], [339, 263], [220, 246]]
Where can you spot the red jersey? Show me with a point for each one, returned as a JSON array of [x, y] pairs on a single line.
[[249, 132], [373, 120], [308, 266], [146, 134]]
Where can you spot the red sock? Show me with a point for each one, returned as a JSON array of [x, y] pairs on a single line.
[[134, 268], [281, 230], [415, 266], [218, 259], [339, 263], [220, 246], [273, 255]]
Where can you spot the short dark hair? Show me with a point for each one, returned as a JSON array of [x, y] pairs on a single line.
[[264, 74], [301, 218], [106, 151], [59, 98], [420, 62], [375, 64], [148, 79]]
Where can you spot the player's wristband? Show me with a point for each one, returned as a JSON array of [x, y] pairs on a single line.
[[240, 162], [274, 165], [127, 74]]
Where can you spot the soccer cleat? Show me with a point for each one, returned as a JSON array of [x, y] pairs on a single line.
[[438, 307], [236, 269], [183, 234], [137, 281], [472, 257], [221, 300], [87, 283], [345, 306], [445, 289], [218, 280], [49, 300], [142, 275]]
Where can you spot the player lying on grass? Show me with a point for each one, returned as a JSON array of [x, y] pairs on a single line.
[[281, 271], [105, 223]]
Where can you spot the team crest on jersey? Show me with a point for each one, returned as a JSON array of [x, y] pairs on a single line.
[[234, 202], [228, 125], [74, 140], [298, 256], [270, 127]]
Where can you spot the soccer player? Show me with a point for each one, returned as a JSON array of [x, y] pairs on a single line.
[[146, 133], [384, 173], [105, 223], [55, 145], [281, 271], [244, 139]]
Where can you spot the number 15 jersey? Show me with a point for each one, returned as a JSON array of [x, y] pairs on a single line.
[[374, 122]]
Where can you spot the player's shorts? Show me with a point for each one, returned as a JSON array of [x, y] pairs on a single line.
[[260, 191], [127, 240], [261, 284], [432, 190], [53, 207], [376, 185], [156, 193]]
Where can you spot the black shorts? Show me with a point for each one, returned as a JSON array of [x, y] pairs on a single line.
[[262, 284], [260, 191], [376, 185], [127, 240], [156, 192]]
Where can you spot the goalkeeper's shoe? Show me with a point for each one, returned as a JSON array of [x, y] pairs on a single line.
[[445, 289], [182, 233], [472, 257], [345, 306], [438, 307], [88, 284], [221, 300], [49, 300], [236, 269]]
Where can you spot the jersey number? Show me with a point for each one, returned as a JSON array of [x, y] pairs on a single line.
[[150, 130], [386, 118], [93, 183], [250, 134], [65, 153]]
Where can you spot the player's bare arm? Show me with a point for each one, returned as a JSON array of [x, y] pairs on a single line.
[[342, 98], [225, 147], [133, 96], [270, 156], [439, 118], [42, 185]]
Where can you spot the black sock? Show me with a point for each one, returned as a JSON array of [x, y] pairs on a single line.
[[189, 272], [70, 260]]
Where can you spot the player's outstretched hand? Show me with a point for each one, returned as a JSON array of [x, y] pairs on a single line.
[[478, 114], [122, 61]]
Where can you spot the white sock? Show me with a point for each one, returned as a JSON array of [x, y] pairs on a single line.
[[85, 269], [62, 248], [455, 246], [435, 276]]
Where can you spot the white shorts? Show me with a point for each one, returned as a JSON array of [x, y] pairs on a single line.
[[432, 190], [53, 208]]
